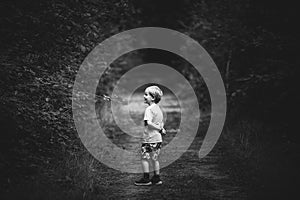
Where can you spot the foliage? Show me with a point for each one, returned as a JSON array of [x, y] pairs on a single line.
[[44, 43]]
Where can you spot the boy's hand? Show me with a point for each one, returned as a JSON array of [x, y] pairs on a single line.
[[163, 131]]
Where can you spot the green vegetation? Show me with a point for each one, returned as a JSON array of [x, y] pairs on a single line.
[[44, 42]]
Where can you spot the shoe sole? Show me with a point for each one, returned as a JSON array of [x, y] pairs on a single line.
[[142, 184], [158, 183]]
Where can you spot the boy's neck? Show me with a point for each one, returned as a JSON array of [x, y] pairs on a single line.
[[151, 103]]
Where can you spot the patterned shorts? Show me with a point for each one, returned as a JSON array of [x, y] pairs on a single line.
[[150, 150]]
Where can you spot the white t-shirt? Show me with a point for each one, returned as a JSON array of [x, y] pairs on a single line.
[[154, 114]]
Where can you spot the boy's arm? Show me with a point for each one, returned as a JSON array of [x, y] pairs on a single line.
[[148, 121], [152, 125], [159, 127]]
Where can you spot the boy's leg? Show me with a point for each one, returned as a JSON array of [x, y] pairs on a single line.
[[145, 165], [156, 178], [155, 163]]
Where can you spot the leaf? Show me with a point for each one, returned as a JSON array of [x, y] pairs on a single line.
[[82, 48]]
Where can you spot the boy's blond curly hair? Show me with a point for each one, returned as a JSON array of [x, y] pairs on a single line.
[[155, 92]]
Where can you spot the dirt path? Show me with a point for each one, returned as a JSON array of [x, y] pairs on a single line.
[[187, 178]]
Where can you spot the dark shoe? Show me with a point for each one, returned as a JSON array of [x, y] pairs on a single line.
[[143, 181], [155, 180]]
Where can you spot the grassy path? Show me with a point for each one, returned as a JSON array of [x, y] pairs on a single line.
[[187, 178]]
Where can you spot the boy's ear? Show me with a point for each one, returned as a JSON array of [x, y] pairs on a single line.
[[152, 98]]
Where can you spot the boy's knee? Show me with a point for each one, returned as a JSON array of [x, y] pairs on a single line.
[[154, 157], [146, 156]]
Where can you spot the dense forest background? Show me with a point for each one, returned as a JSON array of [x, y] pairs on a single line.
[[43, 43]]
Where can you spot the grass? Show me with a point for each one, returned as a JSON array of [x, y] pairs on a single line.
[[255, 157], [78, 175]]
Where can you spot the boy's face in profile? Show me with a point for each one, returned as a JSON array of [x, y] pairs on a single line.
[[148, 99]]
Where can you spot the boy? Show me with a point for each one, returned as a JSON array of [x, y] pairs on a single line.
[[152, 139]]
